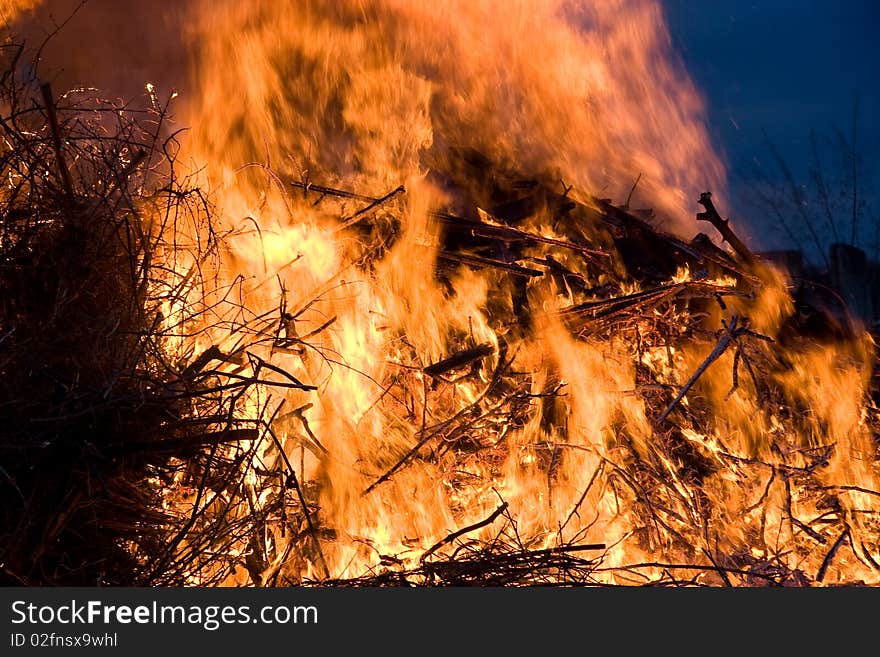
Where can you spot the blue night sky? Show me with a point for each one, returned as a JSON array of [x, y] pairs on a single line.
[[784, 68]]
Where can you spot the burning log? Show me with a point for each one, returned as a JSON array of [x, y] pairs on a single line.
[[364, 212], [564, 276]]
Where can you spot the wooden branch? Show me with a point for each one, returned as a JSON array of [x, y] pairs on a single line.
[[599, 469], [723, 343], [508, 233], [464, 530], [828, 557], [459, 359], [330, 191], [211, 353], [481, 261], [426, 436], [563, 549], [721, 571], [613, 305], [46, 90], [294, 483], [293, 382], [185, 444], [557, 269], [345, 222], [723, 226]]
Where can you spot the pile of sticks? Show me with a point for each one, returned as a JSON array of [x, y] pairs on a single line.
[[706, 309]]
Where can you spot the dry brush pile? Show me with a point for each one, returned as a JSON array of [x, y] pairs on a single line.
[[103, 405]]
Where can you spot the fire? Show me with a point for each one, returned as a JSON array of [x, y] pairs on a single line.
[[376, 92], [368, 96], [12, 9]]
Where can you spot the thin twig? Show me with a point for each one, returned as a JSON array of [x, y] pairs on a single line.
[[464, 530], [294, 481], [716, 353]]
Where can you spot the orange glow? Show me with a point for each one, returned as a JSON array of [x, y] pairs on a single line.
[[372, 95], [13, 9], [369, 95]]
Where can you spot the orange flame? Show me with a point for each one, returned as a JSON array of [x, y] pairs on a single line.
[[377, 94], [370, 95]]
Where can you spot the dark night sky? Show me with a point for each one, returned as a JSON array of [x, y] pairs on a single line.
[[783, 68]]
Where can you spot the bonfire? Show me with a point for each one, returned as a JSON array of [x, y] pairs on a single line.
[[385, 299]]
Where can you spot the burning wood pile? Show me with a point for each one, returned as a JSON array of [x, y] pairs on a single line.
[[656, 297], [476, 375]]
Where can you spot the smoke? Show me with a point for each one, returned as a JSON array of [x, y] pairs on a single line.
[[374, 92], [592, 93], [116, 46]]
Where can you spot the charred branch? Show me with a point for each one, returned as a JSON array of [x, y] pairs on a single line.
[[481, 262], [723, 226], [459, 360]]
